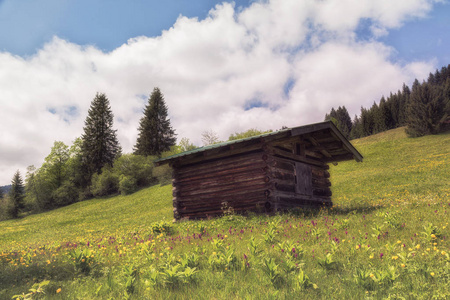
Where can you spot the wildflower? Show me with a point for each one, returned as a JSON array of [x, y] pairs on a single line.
[[399, 242], [58, 291], [402, 265], [371, 275], [395, 257], [357, 247], [418, 247], [371, 256], [432, 274], [443, 253], [381, 255]]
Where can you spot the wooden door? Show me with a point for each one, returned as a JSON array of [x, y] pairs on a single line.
[[303, 179]]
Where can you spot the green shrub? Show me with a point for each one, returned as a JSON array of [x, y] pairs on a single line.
[[127, 185], [163, 174], [105, 184], [137, 167], [66, 194]]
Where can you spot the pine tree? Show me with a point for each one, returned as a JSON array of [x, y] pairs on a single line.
[[17, 195], [1, 192], [99, 141], [155, 132]]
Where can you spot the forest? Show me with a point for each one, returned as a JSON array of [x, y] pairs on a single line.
[[424, 109]]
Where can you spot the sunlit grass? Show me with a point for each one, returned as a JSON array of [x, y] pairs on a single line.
[[386, 237]]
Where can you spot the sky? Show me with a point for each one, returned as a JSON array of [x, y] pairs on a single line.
[[222, 66]]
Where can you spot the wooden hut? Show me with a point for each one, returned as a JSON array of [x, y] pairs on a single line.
[[270, 172]]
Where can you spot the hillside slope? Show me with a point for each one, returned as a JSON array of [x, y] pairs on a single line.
[[89, 218], [395, 168], [387, 237]]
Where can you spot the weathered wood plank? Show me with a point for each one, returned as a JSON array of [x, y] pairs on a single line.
[[253, 170], [277, 152], [220, 163], [226, 189], [222, 182]]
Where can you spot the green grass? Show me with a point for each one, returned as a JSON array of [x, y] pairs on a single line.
[[88, 219], [386, 237]]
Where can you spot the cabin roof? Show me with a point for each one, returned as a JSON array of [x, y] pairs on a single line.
[[336, 148]]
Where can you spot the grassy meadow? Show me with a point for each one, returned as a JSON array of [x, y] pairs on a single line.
[[386, 237]]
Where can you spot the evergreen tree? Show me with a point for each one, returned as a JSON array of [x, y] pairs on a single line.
[[331, 116], [403, 104], [99, 141], [1, 192], [367, 122], [425, 110], [344, 122], [357, 128], [17, 195], [155, 132]]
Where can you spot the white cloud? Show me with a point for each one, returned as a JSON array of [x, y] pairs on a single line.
[[228, 72]]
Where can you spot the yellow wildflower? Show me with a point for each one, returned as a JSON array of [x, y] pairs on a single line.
[[58, 291]]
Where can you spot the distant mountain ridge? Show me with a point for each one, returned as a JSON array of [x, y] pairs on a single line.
[[5, 189]]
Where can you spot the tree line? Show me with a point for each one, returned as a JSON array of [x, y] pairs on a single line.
[[424, 109], [94, 165]]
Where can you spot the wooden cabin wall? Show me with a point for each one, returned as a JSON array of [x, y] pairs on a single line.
[[294, 187], [241, 181]]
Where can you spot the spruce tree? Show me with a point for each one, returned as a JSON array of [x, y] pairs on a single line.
[[344, 121], [155, 132], [99, 141], [403, 104], [425, 110], [17, 195], [357, 128]]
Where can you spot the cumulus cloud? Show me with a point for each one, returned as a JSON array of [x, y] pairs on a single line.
[[272, 64]]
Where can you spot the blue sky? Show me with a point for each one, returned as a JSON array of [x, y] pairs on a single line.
[[222, 66], [27, 24]]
